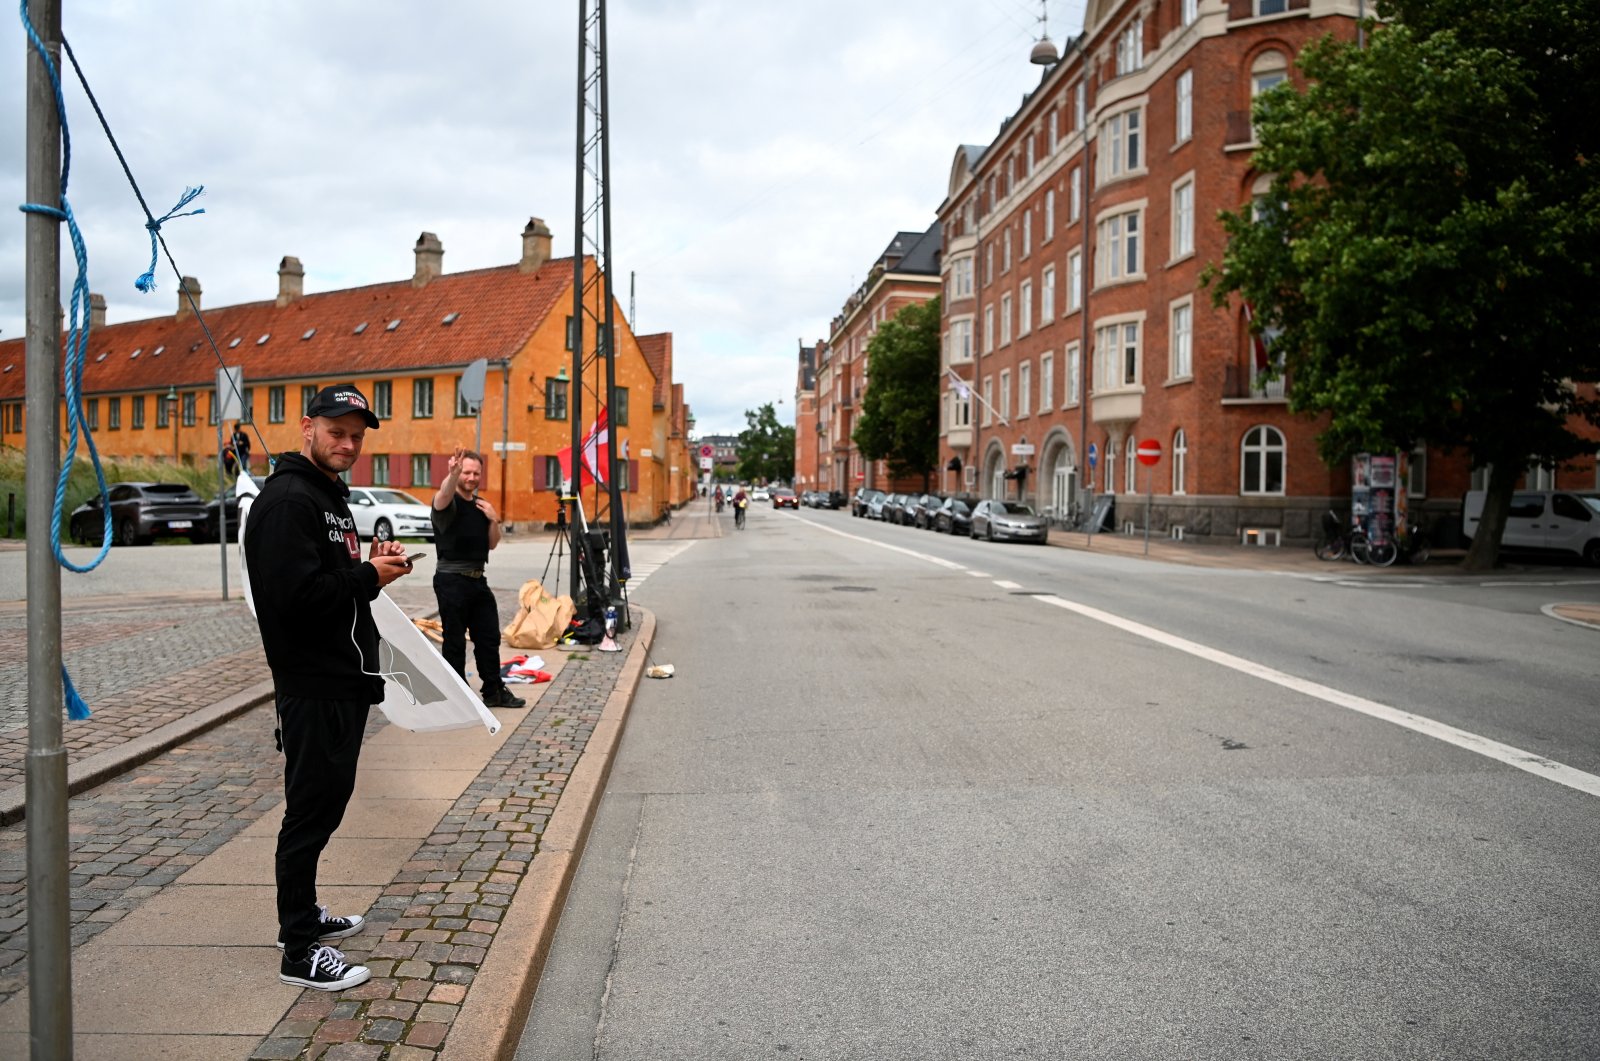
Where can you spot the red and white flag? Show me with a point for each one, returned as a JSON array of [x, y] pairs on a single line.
[[596, 453]]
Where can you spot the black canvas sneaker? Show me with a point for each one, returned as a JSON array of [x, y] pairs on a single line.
[[335, 927], [503, 698], [323, 969]]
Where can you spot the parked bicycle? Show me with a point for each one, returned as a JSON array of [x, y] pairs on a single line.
[[1414, 548], [1334, 541]]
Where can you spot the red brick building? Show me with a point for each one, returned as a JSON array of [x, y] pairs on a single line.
[[1073, 246], [807, 439], [906, 273]]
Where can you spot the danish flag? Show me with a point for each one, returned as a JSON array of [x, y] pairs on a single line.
[[596, 453]]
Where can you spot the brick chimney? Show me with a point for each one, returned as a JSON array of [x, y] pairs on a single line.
[[291, 280], [97, 310], [535, 245], [192, 287], [430, 259]]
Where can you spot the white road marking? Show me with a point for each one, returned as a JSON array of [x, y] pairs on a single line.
[[978, 574], [1534, 764], [1003, 584], [941, 561], [646, 558]]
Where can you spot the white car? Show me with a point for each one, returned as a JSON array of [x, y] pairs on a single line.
[[385, 514], [760, 493]]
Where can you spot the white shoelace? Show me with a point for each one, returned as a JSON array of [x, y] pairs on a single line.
[[331, 959], [322, 915]]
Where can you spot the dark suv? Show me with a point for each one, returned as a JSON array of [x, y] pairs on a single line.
[[142, 512]]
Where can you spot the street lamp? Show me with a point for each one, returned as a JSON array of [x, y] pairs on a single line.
[[172, 413]]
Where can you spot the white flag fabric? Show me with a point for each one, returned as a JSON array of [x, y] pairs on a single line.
[[421, 692]]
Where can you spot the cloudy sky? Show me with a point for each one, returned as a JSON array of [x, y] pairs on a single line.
[[763, 152]]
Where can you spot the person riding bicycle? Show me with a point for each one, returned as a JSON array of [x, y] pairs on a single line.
[[718, 498], [740, 502]]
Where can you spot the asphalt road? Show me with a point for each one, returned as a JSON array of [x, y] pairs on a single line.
[[914, 797]]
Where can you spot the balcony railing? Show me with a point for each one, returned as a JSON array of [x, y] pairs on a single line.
[[1241, 383]]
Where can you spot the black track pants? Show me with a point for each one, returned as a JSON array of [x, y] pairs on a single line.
[[321, 744]]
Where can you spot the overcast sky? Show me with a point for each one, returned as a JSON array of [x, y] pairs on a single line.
[[763, 152]]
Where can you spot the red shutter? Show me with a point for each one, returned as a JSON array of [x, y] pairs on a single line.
[[633, 477], [438, 468], [538, 474]]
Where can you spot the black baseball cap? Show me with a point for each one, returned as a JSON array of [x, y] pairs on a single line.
[[339, 399]]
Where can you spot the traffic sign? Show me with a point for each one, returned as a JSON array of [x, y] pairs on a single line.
[[1149, 452], [706, 451], [1094, 454]]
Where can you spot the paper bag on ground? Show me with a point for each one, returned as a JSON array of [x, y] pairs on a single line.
[[540, 619]]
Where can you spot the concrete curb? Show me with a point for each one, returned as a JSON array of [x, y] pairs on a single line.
[[490, 1022], [113, 762]]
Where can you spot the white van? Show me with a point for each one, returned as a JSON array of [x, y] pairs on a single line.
[[1548, 521]]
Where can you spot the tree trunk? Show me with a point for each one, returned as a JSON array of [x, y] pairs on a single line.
[[1484, 553]]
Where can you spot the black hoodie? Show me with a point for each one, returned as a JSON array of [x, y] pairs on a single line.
[[311, 587]]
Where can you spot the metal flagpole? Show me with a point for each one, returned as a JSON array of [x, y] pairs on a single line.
[[49, 945], [575, 331], [619, 517]]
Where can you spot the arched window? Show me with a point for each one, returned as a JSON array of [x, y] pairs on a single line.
[[1180, 462], [1261, 467], [1269, 71], [1130, 467]]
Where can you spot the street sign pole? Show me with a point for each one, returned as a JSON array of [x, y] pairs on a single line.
[[1149, 454]]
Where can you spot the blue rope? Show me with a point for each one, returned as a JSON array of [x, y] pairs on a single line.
[[147, 279], [77, 345]]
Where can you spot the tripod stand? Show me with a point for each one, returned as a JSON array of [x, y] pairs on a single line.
[[556, 546]]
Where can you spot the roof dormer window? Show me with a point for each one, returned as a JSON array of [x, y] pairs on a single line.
[[136, 353], [231, 345], [308, 334], [450, 318], [360, 328], [393, 325], [263, 340]]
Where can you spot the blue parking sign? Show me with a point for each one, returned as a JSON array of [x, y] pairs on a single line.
[[1094, 454]]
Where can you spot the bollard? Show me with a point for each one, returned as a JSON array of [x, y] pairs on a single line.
[[11, 515]]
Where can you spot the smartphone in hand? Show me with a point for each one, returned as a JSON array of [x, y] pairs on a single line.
[[414, 557]]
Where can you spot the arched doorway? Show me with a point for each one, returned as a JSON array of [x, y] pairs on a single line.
[[992, 482], [1058, 475]]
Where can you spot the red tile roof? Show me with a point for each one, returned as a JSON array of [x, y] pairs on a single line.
[[657, 350], [315, 336]]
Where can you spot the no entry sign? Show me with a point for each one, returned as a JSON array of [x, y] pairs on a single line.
[[1149, 452]]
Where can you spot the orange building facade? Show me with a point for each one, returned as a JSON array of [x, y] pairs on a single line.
[[150, 385]]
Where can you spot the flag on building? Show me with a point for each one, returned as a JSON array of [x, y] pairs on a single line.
[[596, 454]]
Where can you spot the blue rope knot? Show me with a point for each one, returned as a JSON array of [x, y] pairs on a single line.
[[147, 279]]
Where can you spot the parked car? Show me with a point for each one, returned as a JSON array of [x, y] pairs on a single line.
[[875, 504], [783, 497], [890, 512], [953, 517], [141, 513], [1008, 521], [384, 513], [922, 511], [832, 499], [861, 501], [214, 509], [1544, 521]]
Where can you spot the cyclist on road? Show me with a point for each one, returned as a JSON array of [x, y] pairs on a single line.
[[740, 502]]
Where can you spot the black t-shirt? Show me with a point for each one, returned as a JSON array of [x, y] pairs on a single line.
[[461, 532]]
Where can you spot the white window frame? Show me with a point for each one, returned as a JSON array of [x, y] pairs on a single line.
[[1109, 457], [1005, 394], [1121, 251], [1180, 338], [1005, 253], [1075, 194], [1025, 308], [960, 346], [1183, 200], [1074, 289], [1130, 467], [1189, 13], [1118, 353], [1007, 319], [1183, 108], [1130, 47], [1047, 382], [1049, 215], [1072, 359], [1027, 232], [988, 329], [988, 264], [1055, 136], [1256, 448], [1180, 462], [1047, 295], [1122, 145], [1080, 106], [988, 400], [1025, 389]]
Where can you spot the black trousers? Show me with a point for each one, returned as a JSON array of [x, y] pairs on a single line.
[[321, 743], [467, 605]]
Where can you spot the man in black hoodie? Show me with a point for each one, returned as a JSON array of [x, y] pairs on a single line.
[[312, 595]]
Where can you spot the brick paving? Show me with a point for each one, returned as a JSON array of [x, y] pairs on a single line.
[[442, 911]]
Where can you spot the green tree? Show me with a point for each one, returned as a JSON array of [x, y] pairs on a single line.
[[766, 447], [1427, 255], [899, 419]]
